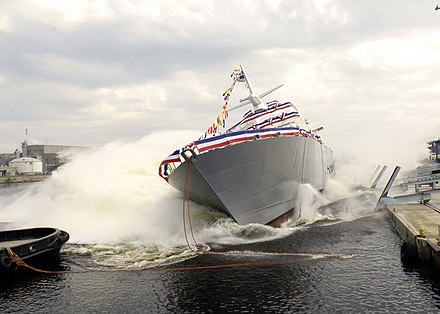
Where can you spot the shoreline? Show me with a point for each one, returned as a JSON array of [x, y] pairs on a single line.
[[23, 178]]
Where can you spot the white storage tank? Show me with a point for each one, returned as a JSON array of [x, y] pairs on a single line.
[[27, 165]]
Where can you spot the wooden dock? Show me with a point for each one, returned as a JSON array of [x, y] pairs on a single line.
[[418, 224]]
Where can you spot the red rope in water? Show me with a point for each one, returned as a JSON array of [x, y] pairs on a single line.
[[19, 262], [187, 202]]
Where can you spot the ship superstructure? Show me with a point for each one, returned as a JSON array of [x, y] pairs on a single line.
[[251, 171]]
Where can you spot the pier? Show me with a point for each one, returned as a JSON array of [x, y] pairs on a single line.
[[416, 217], [418, 225]]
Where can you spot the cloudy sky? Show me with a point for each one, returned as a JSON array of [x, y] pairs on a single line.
[[92, 72]]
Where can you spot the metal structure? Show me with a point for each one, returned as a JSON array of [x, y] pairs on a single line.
[[434, 150], [420, 196], [373, 186], [423, 177]]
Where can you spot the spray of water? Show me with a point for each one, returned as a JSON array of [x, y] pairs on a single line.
[[346, 196], [113, 199], [307, 204], [111, 195]]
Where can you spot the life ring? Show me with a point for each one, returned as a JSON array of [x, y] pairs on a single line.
[[6, 262]]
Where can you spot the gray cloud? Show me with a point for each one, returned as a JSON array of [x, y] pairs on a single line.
[[102, 71]]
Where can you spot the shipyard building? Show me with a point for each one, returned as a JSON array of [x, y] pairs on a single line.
[[53, 156], [38, 158]]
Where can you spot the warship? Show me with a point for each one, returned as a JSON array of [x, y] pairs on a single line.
[[252, 170]]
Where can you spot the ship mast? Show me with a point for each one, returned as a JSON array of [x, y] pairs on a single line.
[[253, 98]]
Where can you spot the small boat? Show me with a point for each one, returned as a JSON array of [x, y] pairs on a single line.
[[251, 171], [35, 244]]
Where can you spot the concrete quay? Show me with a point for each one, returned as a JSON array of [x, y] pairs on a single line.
[[418, 225], [23, 178]]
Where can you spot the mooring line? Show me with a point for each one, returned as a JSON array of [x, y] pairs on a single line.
[[319, 257], [186, 201], [312, 257], [250, 253]]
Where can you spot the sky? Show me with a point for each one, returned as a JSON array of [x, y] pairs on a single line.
[[95, 72]]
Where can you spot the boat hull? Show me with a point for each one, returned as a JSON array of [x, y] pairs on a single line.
[[255, 181], [30, 245]]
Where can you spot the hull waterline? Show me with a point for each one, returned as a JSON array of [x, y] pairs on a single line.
[[256, 181]]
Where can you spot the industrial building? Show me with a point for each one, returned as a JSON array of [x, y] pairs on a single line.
[[27, 165], [5, 158], [50, 157]]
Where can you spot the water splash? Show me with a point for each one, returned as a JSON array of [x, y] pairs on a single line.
[[346, 197], [124, 256], [348, 192], [113, 197], [227, 231], [307, 204]]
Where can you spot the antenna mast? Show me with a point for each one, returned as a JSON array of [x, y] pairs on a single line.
[[253, 98]]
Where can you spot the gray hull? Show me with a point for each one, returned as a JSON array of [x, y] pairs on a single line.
[[256, 181]]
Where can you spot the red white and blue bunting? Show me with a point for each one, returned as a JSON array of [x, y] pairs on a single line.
[[203, 146]]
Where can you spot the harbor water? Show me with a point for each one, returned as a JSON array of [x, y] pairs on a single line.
[[127, 252]]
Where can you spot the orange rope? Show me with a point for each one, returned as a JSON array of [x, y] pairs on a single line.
[[184, 219], [186, 202], [189, 203], [19, 262], [254, 264]]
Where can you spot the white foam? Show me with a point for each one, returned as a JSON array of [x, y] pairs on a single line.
[[114, 195], [110, 195]]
